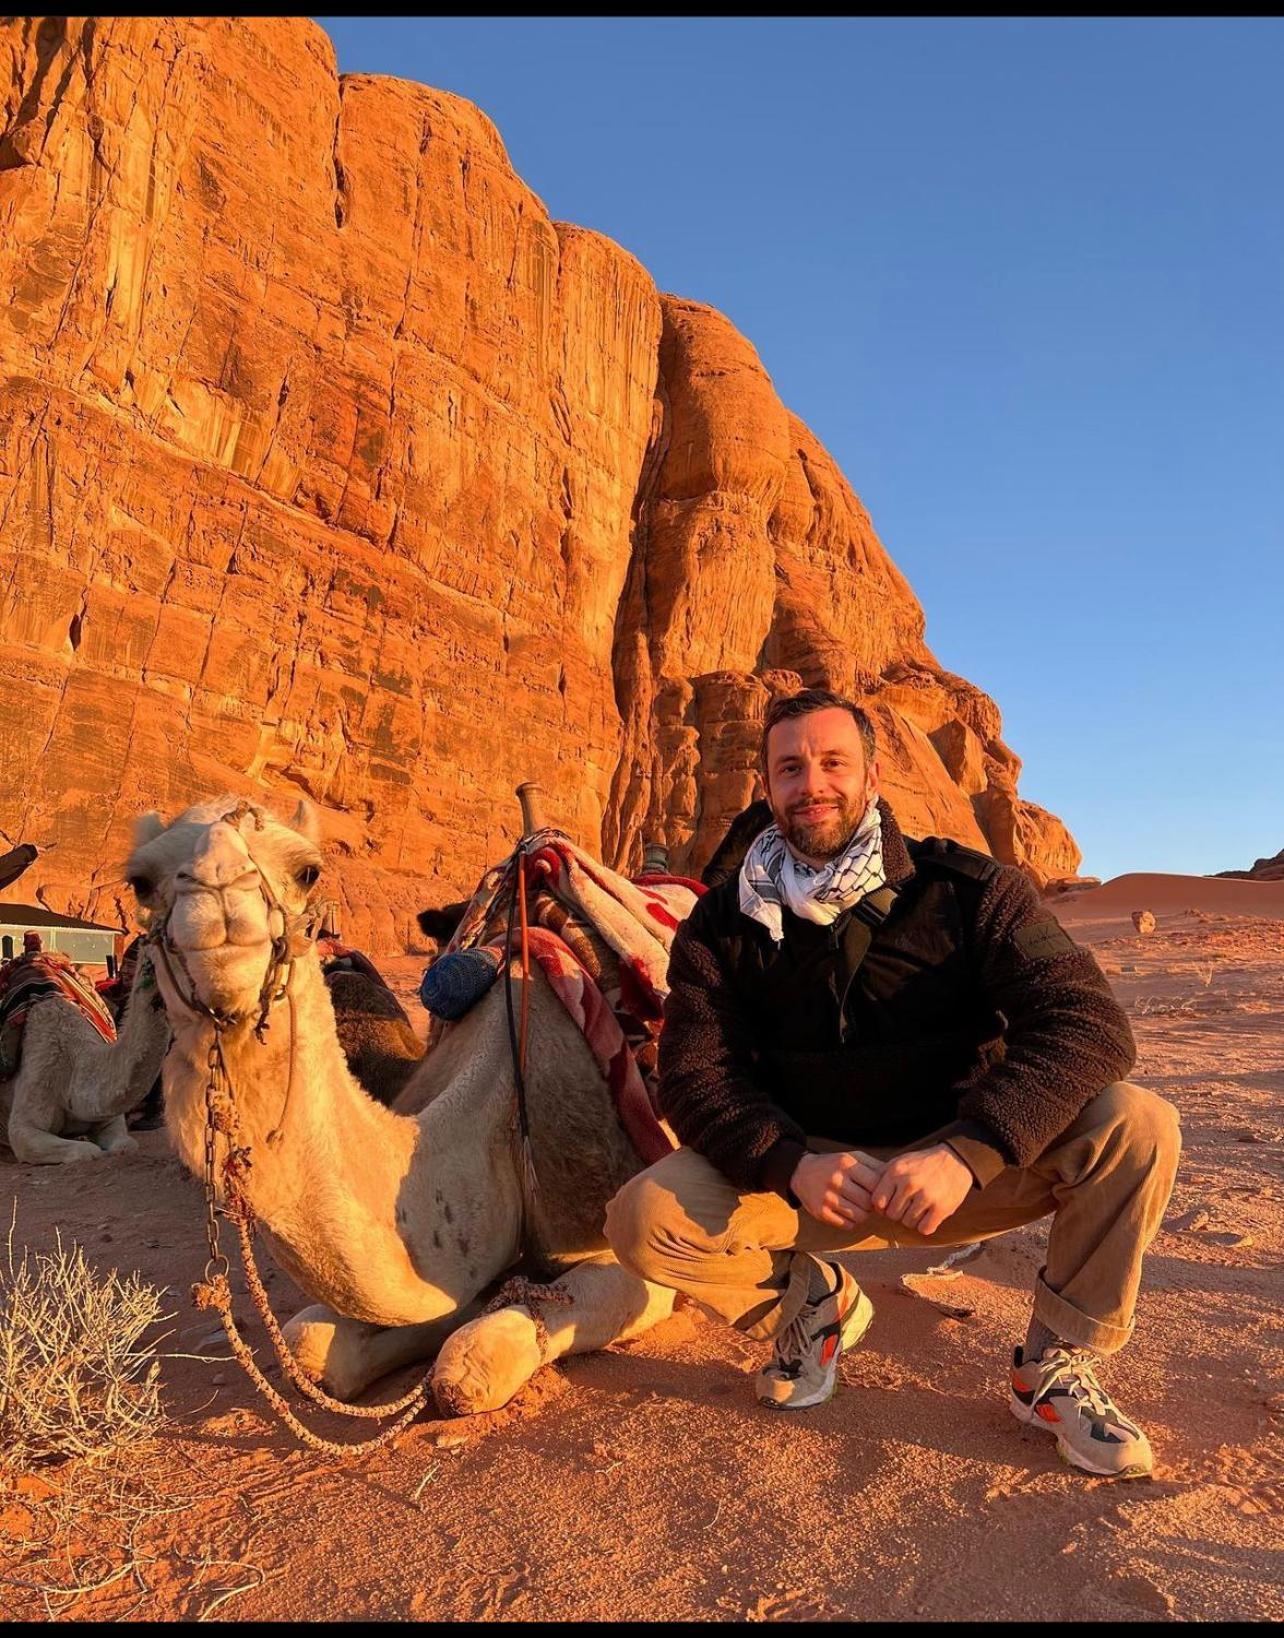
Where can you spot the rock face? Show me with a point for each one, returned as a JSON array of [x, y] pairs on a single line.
[[330, 465], [1264, 870]]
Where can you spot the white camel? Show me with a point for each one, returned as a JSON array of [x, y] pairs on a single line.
[[397, 1221], [72, 1091]]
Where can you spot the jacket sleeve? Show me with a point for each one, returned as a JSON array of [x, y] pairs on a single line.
[[708, 1092], [1066, 1037]]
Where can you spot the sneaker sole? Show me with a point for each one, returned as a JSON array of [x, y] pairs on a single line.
[[853, 1327], [1025, 1415]]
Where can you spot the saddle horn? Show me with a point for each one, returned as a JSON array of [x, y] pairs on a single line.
[[655, 859], [531, 795]]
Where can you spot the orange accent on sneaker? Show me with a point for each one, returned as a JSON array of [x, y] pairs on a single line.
[[828, 1349], [1047, 1413]]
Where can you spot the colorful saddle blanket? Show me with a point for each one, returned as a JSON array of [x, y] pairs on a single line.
[[29, 979], [603, 942]]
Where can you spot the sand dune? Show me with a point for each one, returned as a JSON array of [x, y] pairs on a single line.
[[1168, 895]]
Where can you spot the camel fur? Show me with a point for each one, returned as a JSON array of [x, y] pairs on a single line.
[[73, 1090], [397, 1222], [377, 1038]]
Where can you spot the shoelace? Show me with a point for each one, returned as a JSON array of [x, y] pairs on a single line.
[[794, 1341], [1074, 1374]]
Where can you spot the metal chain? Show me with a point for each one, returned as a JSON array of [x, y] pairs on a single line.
[[215, 1292]]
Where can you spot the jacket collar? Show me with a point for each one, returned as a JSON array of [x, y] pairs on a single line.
[[898, 867]]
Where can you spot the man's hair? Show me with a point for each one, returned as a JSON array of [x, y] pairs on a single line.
[[816, 699]]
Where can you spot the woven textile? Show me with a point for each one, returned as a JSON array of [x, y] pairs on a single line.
[[456, 982], [30, 979], [610, 971], [771, 877]]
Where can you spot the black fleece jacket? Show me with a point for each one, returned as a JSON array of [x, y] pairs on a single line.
[[971, 1018]]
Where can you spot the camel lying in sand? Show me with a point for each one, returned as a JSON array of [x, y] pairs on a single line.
[[73, 1089], [395, 1222], [377, 1038]]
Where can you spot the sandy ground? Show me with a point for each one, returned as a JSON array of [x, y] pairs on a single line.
[[644, 1482]]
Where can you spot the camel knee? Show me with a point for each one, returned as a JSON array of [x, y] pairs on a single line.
[[35, 1147], [1147, 1125]]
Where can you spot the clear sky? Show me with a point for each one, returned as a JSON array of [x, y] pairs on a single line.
[[1025, 280]]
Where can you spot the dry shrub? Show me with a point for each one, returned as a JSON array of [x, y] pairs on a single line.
[[76, 1377]]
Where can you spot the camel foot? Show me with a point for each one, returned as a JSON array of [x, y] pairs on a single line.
[[483, 1364], [114, 1138], [344, 1356], [43, 1149]]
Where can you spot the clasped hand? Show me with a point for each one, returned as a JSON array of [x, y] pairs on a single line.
[[919, 1189]]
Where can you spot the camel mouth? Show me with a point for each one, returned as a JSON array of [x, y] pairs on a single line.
[[221, 949], [227, 978]]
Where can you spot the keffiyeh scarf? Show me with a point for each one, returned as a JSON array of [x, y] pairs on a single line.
[[771, 877]]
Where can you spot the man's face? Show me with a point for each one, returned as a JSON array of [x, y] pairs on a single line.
[[817, 782]]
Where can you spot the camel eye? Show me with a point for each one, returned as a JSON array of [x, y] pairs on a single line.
[[141, 885], [308, 876]]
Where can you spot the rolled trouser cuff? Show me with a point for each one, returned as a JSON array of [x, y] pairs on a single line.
[[1071, 1325]]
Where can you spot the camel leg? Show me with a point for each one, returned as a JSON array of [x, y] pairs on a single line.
[[482, 1365], [347, 1355], [114, 1138], [39, 1148]]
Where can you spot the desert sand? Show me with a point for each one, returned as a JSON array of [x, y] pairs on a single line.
[[645, 1483]]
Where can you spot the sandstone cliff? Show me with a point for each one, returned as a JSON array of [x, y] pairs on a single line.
[[329, 464]]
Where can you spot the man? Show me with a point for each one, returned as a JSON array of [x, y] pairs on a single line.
[[875, 1042]]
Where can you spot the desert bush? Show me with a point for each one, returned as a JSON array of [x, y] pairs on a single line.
[[76, 1376]]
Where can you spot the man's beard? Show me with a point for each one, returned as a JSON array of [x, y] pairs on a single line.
[[826, 836]]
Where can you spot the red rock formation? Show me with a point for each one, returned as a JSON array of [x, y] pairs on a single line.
[[331, 465], [1264, 870]]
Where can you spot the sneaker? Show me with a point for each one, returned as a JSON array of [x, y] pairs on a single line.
[[1060, 1393], [804, 1360]]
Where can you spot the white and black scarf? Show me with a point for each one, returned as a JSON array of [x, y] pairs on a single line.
[[772, 877]]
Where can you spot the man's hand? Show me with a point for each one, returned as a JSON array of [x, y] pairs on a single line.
[[834, 1188], [920, 1189]]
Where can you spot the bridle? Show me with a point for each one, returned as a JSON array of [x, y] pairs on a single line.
[[294, 936]]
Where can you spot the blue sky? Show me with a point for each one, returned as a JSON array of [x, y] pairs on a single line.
[[1025, 280]]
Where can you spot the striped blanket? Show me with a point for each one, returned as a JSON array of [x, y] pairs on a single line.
[[29, 979], [602, 942]]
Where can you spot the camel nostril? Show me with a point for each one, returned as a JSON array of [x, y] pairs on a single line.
[[221, 879]]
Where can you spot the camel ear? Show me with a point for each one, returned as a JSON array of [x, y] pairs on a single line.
[[306, 822], [147, 829]]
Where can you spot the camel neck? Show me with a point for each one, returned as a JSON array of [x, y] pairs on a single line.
[[330, 1168], [116, 1076]]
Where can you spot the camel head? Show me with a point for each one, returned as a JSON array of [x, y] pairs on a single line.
[[223, 884]]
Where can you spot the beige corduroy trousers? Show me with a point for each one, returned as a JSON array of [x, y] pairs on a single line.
[[1105, 1183]]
